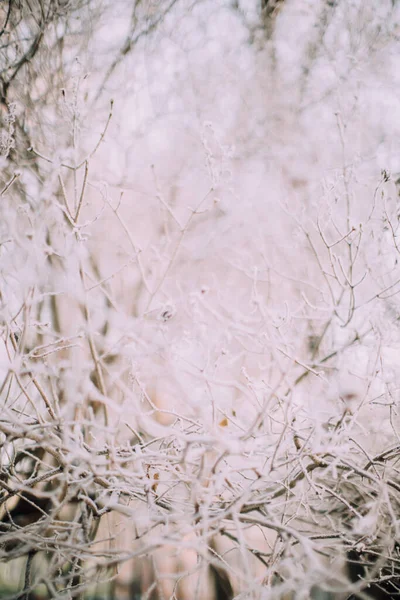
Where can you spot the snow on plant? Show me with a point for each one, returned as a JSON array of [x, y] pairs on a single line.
[[198, 357]]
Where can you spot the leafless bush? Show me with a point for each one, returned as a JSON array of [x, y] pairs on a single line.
[[199, 378]]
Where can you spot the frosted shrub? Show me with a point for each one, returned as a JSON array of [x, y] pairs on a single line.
[[199, 316]]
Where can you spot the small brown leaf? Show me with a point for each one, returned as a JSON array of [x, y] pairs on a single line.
[[156, 477]]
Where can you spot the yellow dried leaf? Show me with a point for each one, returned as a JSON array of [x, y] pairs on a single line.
[[156, 478]]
